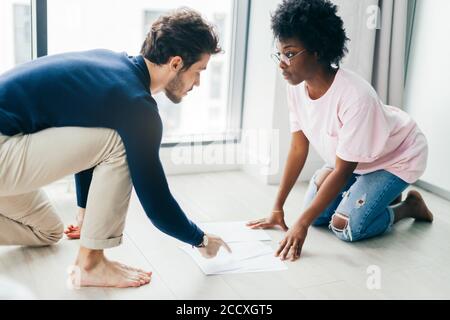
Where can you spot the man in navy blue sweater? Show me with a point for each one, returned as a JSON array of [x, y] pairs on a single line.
[[92, 113]]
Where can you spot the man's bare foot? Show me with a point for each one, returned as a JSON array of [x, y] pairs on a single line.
[[97, 271], [74, 231], [420, 211]]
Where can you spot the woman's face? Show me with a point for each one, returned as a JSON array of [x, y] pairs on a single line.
[[302, 63]]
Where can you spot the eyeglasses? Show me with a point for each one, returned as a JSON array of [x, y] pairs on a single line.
[[280, 57]]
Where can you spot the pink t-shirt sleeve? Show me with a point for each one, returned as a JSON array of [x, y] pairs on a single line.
[[364, 132], [294, 120]]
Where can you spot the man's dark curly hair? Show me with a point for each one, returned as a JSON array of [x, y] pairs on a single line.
[[315, 24], [183, 33]]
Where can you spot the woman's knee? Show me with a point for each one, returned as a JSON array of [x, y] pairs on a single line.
[[321, 175], [341, 225], [314, 185], [320, 222]]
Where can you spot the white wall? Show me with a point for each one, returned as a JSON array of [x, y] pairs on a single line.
[[427, 95], [265, 106], [260, 80]]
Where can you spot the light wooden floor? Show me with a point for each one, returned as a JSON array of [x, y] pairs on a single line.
[[414, 259]]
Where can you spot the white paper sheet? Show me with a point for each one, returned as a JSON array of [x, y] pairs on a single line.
[[252, 256], [234, 231]]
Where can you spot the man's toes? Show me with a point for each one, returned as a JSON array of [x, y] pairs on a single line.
[[138, 281], [73, 235], [148, 273], [145, 277], [143, 274], [136, 269]]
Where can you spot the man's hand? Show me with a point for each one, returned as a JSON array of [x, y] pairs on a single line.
[[291, 245], [213, 247], [275, 219]]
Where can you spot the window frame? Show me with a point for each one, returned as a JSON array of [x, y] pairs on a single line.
[[235, 95], [39, 28]]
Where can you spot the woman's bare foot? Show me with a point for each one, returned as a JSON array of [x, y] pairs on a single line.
[[419, 209], [397, 200], [97, 271]]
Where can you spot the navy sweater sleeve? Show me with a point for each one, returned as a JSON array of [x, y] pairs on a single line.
[[82, 183], [142, 135], [98, 88]]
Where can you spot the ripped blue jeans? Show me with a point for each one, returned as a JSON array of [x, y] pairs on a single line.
[[363, 203]]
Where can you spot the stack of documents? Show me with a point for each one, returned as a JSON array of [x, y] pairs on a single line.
[[249, 254]]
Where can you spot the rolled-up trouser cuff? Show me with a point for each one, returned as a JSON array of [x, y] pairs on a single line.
[[95, 244]]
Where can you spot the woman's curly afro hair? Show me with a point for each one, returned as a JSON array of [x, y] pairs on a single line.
[[315, 24]]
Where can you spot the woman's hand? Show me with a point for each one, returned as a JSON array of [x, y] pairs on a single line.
[[274, 220], [291, 245]]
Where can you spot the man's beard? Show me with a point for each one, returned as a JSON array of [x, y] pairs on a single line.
[[172, 88]]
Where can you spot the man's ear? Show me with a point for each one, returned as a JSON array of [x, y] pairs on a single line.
[[176, 63]]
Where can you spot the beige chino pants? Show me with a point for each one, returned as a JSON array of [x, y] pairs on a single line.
[[29, 162]]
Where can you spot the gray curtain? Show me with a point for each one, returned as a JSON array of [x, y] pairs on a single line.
[[389, 63], [379, 54], [412, 5]]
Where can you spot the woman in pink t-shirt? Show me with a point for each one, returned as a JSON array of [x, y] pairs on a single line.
[[372, 152]]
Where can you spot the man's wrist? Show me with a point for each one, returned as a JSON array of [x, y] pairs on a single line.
[[204, 242]]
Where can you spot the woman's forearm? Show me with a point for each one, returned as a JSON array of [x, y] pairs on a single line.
[[294, 165], [328, 191]]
